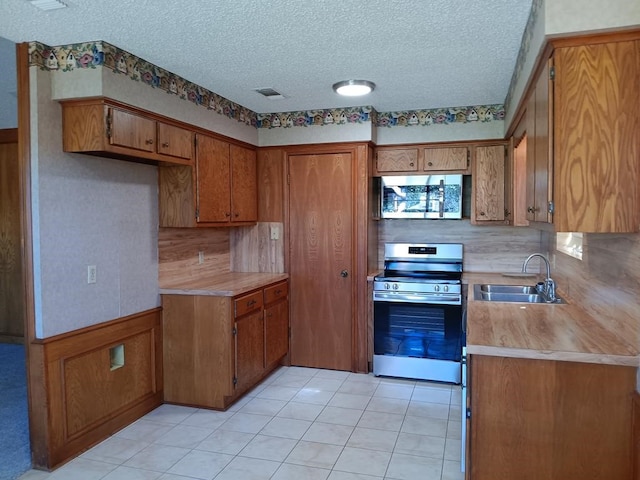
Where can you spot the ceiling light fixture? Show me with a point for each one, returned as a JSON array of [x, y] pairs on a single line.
[[353, 88], [47, 4]]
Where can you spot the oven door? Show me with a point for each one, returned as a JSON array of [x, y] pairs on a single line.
[[418, 340]]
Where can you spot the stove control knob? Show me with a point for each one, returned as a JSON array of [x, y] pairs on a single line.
[[446, 288], [395, 286], [436, 288], [387, 286]]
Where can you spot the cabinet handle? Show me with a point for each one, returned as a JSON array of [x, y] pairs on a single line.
[[149, 141], [251, 303], [344, 273], [237, 215], [482, 214], [269, 315], [278, 292], [430, 164], [227, 214], [531, 210], [165, 145], [411, 164]]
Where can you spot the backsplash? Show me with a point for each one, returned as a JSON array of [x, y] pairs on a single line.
[[486, 248], [608, 276]]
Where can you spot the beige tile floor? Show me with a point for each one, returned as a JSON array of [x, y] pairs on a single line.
[[300, 423]]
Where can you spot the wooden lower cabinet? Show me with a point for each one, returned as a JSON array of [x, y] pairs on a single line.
[[217, 348], [552, 420]]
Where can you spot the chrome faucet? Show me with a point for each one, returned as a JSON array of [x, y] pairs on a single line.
[[549, 285]]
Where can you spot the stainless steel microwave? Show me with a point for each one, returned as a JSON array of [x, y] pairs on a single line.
[[421, 196]]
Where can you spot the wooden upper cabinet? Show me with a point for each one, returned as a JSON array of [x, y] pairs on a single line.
[[489, 184], [421, 159], [445, 159], [539, 148], [597, 137], [129, 130], [226, 177], [397, 160], [244, 185], [175, 141], [107, 128], [213, 175]]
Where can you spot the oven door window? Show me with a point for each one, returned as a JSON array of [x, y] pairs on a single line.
[[418, 330]]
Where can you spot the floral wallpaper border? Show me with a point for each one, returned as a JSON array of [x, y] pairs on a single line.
[[102, 54], [525, 46], [67, 58]]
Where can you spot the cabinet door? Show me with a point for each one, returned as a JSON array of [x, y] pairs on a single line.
[[539, 149], [276, 332], [597, 137], [213, 180], [244, 185], [488, 184], [131, 131], [175, 141], [438, 159], [399, 160], [249, 349]]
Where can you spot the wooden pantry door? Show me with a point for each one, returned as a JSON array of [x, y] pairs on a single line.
[[321, 260]]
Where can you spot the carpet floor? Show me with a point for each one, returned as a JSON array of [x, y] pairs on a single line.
[[15, 454]]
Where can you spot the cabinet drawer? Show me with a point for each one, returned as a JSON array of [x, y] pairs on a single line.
[[401, 160], [247, 303], [276, 292], [445, 159]]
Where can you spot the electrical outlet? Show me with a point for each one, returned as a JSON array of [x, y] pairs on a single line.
[[200, 257], [91, 274], [274, 232]]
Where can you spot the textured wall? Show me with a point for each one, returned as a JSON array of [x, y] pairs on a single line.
[[88, 211], [8, 98], [568, 16]]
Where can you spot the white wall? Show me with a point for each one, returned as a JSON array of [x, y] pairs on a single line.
[[569, 16], [8, 94], [88, 211]]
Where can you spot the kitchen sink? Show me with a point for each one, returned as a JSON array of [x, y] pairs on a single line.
[[508, 289], [510, 293]]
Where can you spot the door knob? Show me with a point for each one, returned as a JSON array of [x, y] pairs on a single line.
[[344, 273]]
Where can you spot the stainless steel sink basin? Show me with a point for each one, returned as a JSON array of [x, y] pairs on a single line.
[[510, 293], [507, 289]]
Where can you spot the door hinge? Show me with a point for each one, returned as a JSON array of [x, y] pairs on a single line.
[[234, 331], [552, 73], [197, 213], [288, 179], [468, 158], [468, 413], [109, 124], [551, 208], [195, 141], [235, 381]]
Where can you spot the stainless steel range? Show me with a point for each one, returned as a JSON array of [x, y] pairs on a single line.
[[419, 305]]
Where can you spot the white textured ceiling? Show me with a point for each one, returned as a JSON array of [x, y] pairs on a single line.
[[420, 53]]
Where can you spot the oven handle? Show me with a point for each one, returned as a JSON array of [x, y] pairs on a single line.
[[444, 299]]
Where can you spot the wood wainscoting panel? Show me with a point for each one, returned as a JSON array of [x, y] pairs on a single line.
[[89, 396], [93, 388]]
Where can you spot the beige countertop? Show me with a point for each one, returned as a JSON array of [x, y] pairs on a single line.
[[223, 285], [541, 331]]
